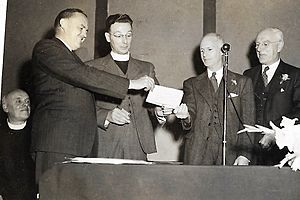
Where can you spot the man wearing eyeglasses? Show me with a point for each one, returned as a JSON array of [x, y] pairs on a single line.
[[277, 92], [64, 119], [124, 127]]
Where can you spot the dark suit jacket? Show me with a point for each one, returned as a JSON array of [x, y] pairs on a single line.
[[64, 118], [139, 115], [17, 179], [200, 103], [281, 99]]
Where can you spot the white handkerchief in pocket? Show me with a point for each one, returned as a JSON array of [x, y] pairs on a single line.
[[231, 95]]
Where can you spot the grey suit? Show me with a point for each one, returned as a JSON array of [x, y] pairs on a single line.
[[134, 140], [203, 144]]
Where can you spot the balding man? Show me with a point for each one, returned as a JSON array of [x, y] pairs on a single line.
[[277, 91], [16, 165], [202, 111]]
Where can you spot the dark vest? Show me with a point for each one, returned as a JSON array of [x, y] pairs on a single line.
[[261, 96]]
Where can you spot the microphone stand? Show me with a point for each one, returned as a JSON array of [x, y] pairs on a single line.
[[225, 50]]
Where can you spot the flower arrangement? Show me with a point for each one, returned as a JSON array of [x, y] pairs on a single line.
[[288, 136]]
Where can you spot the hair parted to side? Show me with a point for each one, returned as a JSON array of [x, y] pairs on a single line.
[[67, 13], [120, 18]]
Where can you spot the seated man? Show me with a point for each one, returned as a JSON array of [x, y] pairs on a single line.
[[16, 164], [202, 111]]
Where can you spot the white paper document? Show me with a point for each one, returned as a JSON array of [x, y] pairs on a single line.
[[165, 96], [115, 161]]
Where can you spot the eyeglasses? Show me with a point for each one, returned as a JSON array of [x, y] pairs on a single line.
[[118, 35], [265, 44]]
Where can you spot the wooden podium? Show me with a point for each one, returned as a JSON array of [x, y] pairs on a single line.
[[168, 182]]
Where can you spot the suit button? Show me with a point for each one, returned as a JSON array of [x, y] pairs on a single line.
[[209, 124]]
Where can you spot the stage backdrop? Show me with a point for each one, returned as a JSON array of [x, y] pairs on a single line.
[[240, 21]]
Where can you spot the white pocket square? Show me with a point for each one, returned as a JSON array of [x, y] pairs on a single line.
[[231, 95], [281, 90]]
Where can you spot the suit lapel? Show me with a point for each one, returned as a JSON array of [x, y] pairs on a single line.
[[133, 71], [202, 85], [109, 65], [68, 50], [257, 75], [274, 84]]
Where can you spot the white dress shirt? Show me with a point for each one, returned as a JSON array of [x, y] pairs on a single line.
[[219, 75], [271, 71]]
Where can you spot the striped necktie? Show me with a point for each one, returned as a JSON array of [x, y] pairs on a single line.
[[265, 76], [214, 82]]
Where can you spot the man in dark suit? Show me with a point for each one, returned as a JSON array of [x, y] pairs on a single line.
[[16, 165], [124, 127], [64, 119], [277, 92], [202, 111]]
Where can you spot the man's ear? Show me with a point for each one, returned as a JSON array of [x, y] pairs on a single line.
[[280, 46], [4, 105], [107, 36], [62, 23]]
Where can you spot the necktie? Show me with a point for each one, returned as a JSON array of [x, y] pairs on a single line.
[[265, 76], [214, 81]]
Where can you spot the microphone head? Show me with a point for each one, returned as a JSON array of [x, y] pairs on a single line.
[[225, 47]]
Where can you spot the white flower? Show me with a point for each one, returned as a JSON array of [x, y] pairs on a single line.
[[233, 81], [288, 136], [284, 77]]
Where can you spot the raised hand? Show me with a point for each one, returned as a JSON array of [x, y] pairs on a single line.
[[147, 83]]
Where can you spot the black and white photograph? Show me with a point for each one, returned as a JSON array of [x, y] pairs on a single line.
[[144, 100]]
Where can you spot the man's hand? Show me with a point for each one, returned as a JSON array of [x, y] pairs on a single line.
[[241, 160], [118, 116], [267, 141], [162, 112], [182, 111], [147, 83]]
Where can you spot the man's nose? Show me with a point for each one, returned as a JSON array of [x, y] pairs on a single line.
[[25, 103], [125, 40]]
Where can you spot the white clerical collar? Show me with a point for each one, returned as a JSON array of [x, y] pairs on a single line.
[[119, 57], [16, 126], [65, 44], [219, 74]]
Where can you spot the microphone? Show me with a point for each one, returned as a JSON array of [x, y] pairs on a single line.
[[225, 48]]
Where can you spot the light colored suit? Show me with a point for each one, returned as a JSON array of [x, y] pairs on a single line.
[[203, 145], [134, 140]]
